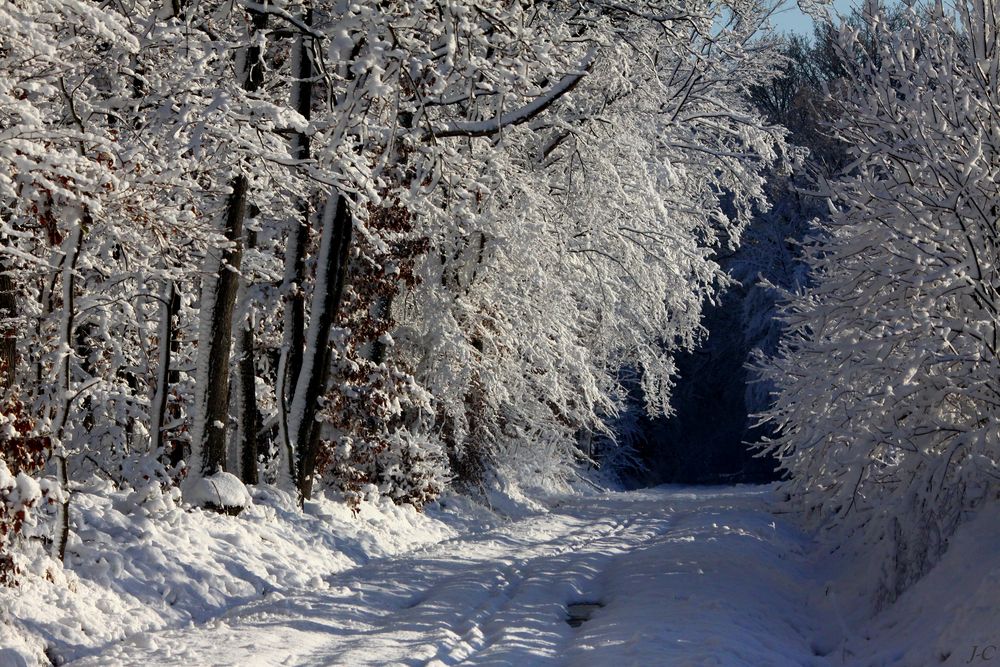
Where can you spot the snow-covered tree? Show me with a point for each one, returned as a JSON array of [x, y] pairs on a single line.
[[585, 246], [372, 246], [887, 398]]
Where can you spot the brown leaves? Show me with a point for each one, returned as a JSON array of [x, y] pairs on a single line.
[[20, 454]]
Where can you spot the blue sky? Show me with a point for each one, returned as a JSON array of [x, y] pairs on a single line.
[[790, 19]]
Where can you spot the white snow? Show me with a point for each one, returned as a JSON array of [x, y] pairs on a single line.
[[140, 562], [683, 576], [950, 617], [28, 489], [221, 490]]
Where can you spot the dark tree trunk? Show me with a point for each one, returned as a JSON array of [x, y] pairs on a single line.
[[174, 446], [255, 56], [248, 390], [165, 345], [298, 237], [295, 321], [82, 349], [8, 333], [331, 276], [216, 402], [248, 411]]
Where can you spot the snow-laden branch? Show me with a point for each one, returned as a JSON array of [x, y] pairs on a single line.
[[271, 10], [485, 128]]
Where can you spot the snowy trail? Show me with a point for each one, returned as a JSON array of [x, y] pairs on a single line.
[[686, 577]]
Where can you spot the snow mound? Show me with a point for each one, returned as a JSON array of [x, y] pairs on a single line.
[[137, 562], [949, 617], [11, 658], [222, 491]]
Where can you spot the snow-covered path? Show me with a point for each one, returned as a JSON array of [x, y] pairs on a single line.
[[686, 577]]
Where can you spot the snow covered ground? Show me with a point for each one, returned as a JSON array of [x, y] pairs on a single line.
[[686, 577], [683, 576], [141, 562], [950, 617]]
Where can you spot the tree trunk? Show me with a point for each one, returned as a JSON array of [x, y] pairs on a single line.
[[221, 290], [175, 446], [8, 333], [293, 339], [71, 254], [219, 293], [331, 274], [165, 345], [82, 349], [247, 399]]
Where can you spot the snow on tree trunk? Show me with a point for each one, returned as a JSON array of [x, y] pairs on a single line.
[[71, 253], [219, 289], [331, 272], [293, 342], [293, 334]]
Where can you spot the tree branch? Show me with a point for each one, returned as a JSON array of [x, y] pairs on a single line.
[[494, 125]]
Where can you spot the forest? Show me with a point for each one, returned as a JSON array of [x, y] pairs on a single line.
[[405, 262]]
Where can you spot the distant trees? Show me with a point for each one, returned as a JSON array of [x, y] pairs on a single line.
[[799, 100], [711, 434], [887, 402]]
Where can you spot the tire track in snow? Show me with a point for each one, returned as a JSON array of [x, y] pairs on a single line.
[[472, 635]]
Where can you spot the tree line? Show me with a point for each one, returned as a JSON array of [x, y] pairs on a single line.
[[886, 411], [374, 247]]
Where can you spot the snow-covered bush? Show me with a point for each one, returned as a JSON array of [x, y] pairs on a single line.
[[377, 416], [18, 495], [222, 492], [24, 492], [887, 400]]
